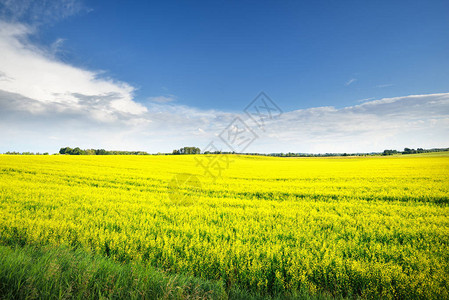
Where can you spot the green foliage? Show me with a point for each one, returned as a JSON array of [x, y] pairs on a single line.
[[413, 151], [389, 152]]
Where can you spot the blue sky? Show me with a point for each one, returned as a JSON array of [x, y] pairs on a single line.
[[218, 54], [210, 59]]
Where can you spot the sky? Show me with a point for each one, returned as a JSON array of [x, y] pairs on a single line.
[[335, 76]]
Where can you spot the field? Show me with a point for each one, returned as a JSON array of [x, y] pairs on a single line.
[[365, 227]]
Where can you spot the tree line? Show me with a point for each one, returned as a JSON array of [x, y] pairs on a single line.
[[384, 153], [196, 150], [79, 151], [413, 151], [25, 153]]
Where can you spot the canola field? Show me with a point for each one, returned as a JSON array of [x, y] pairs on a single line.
[[364, 227]]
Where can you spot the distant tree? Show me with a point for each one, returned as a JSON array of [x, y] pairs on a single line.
[[187, 150], [78, 151], [66, 150], [389, 152], [100, 152], [408, 151], [90, 152]]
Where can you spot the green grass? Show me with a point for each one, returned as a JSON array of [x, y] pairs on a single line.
[[48, 272], [62, 273]]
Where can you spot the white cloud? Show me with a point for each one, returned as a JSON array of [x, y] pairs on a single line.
[[35, 74], [46, 104], [415, 121]]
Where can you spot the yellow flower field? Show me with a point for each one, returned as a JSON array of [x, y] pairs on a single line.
[[366, 226]]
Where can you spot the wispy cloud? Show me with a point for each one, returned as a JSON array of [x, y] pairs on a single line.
[[366, 99], [39, 12], [162, 99], [350, 81], [384, 85], [56, 46]]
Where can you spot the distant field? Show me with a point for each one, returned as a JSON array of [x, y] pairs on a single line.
[[357, 226]]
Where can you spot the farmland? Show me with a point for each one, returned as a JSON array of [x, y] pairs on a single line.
[[364, 227]]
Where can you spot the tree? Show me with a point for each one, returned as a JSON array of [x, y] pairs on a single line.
[[389, 152], [187, 150], [100, 152], [78, 151], [409, 151], [66, 150]]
